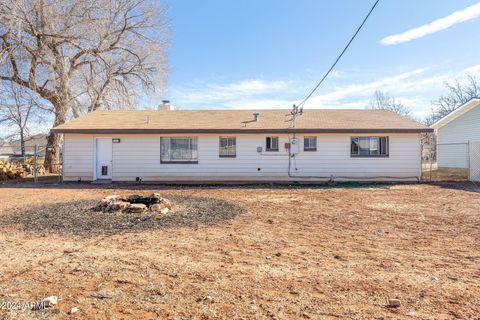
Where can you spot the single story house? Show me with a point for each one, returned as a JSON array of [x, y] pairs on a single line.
[[12, 150], [458, 139], [241, 145], [6, 150]]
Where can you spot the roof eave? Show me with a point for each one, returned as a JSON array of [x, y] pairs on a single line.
[[467, 106], [240, 131]]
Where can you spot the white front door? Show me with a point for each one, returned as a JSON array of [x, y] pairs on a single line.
[[104, 158]]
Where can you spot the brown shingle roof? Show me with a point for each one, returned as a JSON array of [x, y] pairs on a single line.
[[224, 121]]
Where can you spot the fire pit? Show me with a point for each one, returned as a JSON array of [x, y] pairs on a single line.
[[135, 203]]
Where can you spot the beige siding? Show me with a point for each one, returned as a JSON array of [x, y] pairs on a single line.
[[77, 157], [139, 156]]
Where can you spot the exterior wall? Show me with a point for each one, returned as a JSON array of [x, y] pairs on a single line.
[[78, 157], [139, 156], [453, 138]]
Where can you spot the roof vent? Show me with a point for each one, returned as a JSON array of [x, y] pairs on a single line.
[[166, 105], [255, 116]]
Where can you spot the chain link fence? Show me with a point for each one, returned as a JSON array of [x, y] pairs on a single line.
[[451, 162], [26, 165], [474, 162]]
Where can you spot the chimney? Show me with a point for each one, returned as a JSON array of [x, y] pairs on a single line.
[[166, 105], [255, 116]]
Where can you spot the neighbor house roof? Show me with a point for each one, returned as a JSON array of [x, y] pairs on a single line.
[[5, 148], [13, 147], [39, 140], [464, 108], [239, 121]]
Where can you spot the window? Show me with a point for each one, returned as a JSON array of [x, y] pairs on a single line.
[[369, 147], [272, 144], [310, 144], [228, 147], [179, 150]]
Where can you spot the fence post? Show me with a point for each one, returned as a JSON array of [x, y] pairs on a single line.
[[35, 166], [468, 161]]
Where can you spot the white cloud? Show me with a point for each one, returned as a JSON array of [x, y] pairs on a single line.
[[363, 89], [211, 93], [466, 14], [472, 69], [414, 88]]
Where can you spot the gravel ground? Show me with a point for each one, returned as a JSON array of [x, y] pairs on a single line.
[[244, 252], [81, 217]]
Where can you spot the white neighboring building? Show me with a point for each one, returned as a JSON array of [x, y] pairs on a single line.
[[458, 139], [241, 146], [454, 132]]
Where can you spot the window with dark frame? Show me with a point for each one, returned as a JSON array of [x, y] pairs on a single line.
[[272, 144], [178, 149], [369, 147], [227, 147], [310, 144]]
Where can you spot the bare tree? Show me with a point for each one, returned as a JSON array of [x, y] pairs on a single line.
[[18, 108], [81, 55], [383, 101], [459, 92]]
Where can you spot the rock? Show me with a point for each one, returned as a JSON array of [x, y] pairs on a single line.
[[112, 197], [136, 208], [206, 299], [278, 254], [393, 303], [157, 207], [167, 203], [155, 198], [163, 207], [107, 201], [74, 310], [50, 301], [118, 206], [102, 295]]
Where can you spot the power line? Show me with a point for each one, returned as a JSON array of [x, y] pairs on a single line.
[[340, 56]]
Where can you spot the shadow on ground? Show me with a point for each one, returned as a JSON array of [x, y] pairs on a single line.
[[79, 217], [463, 186], [183, 186]]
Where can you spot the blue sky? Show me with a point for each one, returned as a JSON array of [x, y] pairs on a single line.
[[269, 54]]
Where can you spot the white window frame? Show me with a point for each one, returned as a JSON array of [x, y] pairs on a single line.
[[372, 143], [272, 138], [193, 147], [309, 148], [230, 150]]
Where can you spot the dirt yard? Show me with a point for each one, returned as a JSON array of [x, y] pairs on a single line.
[[265, 253]]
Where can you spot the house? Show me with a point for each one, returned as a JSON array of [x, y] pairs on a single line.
[[12, 150], [241, 145], [458, 139], [6, 150]]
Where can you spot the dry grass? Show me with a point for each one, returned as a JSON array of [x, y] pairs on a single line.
[[445, 174], [262, 253]]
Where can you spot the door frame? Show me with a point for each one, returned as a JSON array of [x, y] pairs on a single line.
[[95, 177]]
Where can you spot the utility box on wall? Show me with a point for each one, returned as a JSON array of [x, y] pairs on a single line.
[[294, 148]]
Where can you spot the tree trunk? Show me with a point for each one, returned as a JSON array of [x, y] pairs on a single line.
[[22, 144], [54, 143]]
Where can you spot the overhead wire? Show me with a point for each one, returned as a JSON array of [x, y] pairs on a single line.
[[303, 102], [339, 56]]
